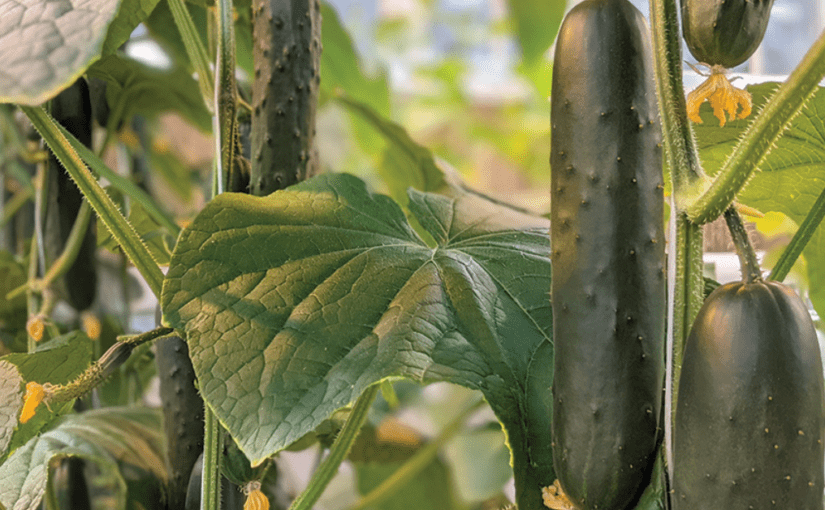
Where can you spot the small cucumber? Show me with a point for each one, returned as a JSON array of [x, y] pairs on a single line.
[[724, 32], [608, 288], [749, 420]]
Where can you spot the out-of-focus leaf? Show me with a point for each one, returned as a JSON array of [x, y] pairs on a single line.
[[480, 462], [155, 236], [45, 45], [431, 489], [105, 437], [133, 87], [537, 23], [130, 14]]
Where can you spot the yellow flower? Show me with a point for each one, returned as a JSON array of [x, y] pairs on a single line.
[[91, 326], [555, 498], [255, 499], [34, 395], [36, 326], [722, 96]]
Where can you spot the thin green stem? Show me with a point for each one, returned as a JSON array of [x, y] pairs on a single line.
[[679, 143], [340, 448], [194, 49], [761, 135], [747, 256], [226, 95], [17, 201], [107, 211], [70, 250], [212, 457], [415, 464], [800, 240]]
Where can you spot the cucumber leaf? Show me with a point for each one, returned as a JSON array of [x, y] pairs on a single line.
[[130, 14], [11, 400], [46, 45], [536, 24], [791, 177], [295, 303]]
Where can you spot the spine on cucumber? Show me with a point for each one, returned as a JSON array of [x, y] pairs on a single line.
[[608, 290], [749, 420], [724, 32]]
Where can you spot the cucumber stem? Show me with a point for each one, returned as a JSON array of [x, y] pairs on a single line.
[[747, 256], [800, 240]]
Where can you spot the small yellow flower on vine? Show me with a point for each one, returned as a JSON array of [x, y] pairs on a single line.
[[722, 96], [555, 499], [91, 326], [255, 498], [34, 395], [36, 326]]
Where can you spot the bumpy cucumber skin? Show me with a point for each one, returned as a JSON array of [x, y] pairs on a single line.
[[724, 32], [72, 108], [749, 421], [286, 57], [182, 415], [608, 288]]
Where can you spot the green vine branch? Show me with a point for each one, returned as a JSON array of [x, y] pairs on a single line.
[[747, 256], [760, 136]]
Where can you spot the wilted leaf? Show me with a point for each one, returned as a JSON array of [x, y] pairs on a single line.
[[294, 303]]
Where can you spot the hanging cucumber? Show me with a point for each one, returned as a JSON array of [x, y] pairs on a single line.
[[749, 420], [608, 261], [72, 108], [724, 32]]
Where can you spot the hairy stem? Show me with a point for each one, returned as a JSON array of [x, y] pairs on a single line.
[[340, 448], [194, 49]]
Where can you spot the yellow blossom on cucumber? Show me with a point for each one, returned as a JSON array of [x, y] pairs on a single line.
[[723, 97], [255, 498], [91, 326], [35, 393]]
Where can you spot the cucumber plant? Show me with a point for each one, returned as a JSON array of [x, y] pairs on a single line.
[[303, 302], [608, 290]]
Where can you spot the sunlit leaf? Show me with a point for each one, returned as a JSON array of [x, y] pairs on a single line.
[[11, 400], [46, 45]]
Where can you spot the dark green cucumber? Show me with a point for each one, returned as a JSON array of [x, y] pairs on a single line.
[[72, 108], [749, 420], [608, 288], [286, 57], [724, 32], [182, 415]]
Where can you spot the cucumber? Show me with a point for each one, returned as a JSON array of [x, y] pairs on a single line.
[[724, 32], [72, 108], [749, 420], [286, 57], [182, 416], [608, 290]]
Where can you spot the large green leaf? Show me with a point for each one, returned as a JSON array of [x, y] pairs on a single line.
[[45, 45], [105, 437], [58, 361], [791, 178], [294, 303]]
